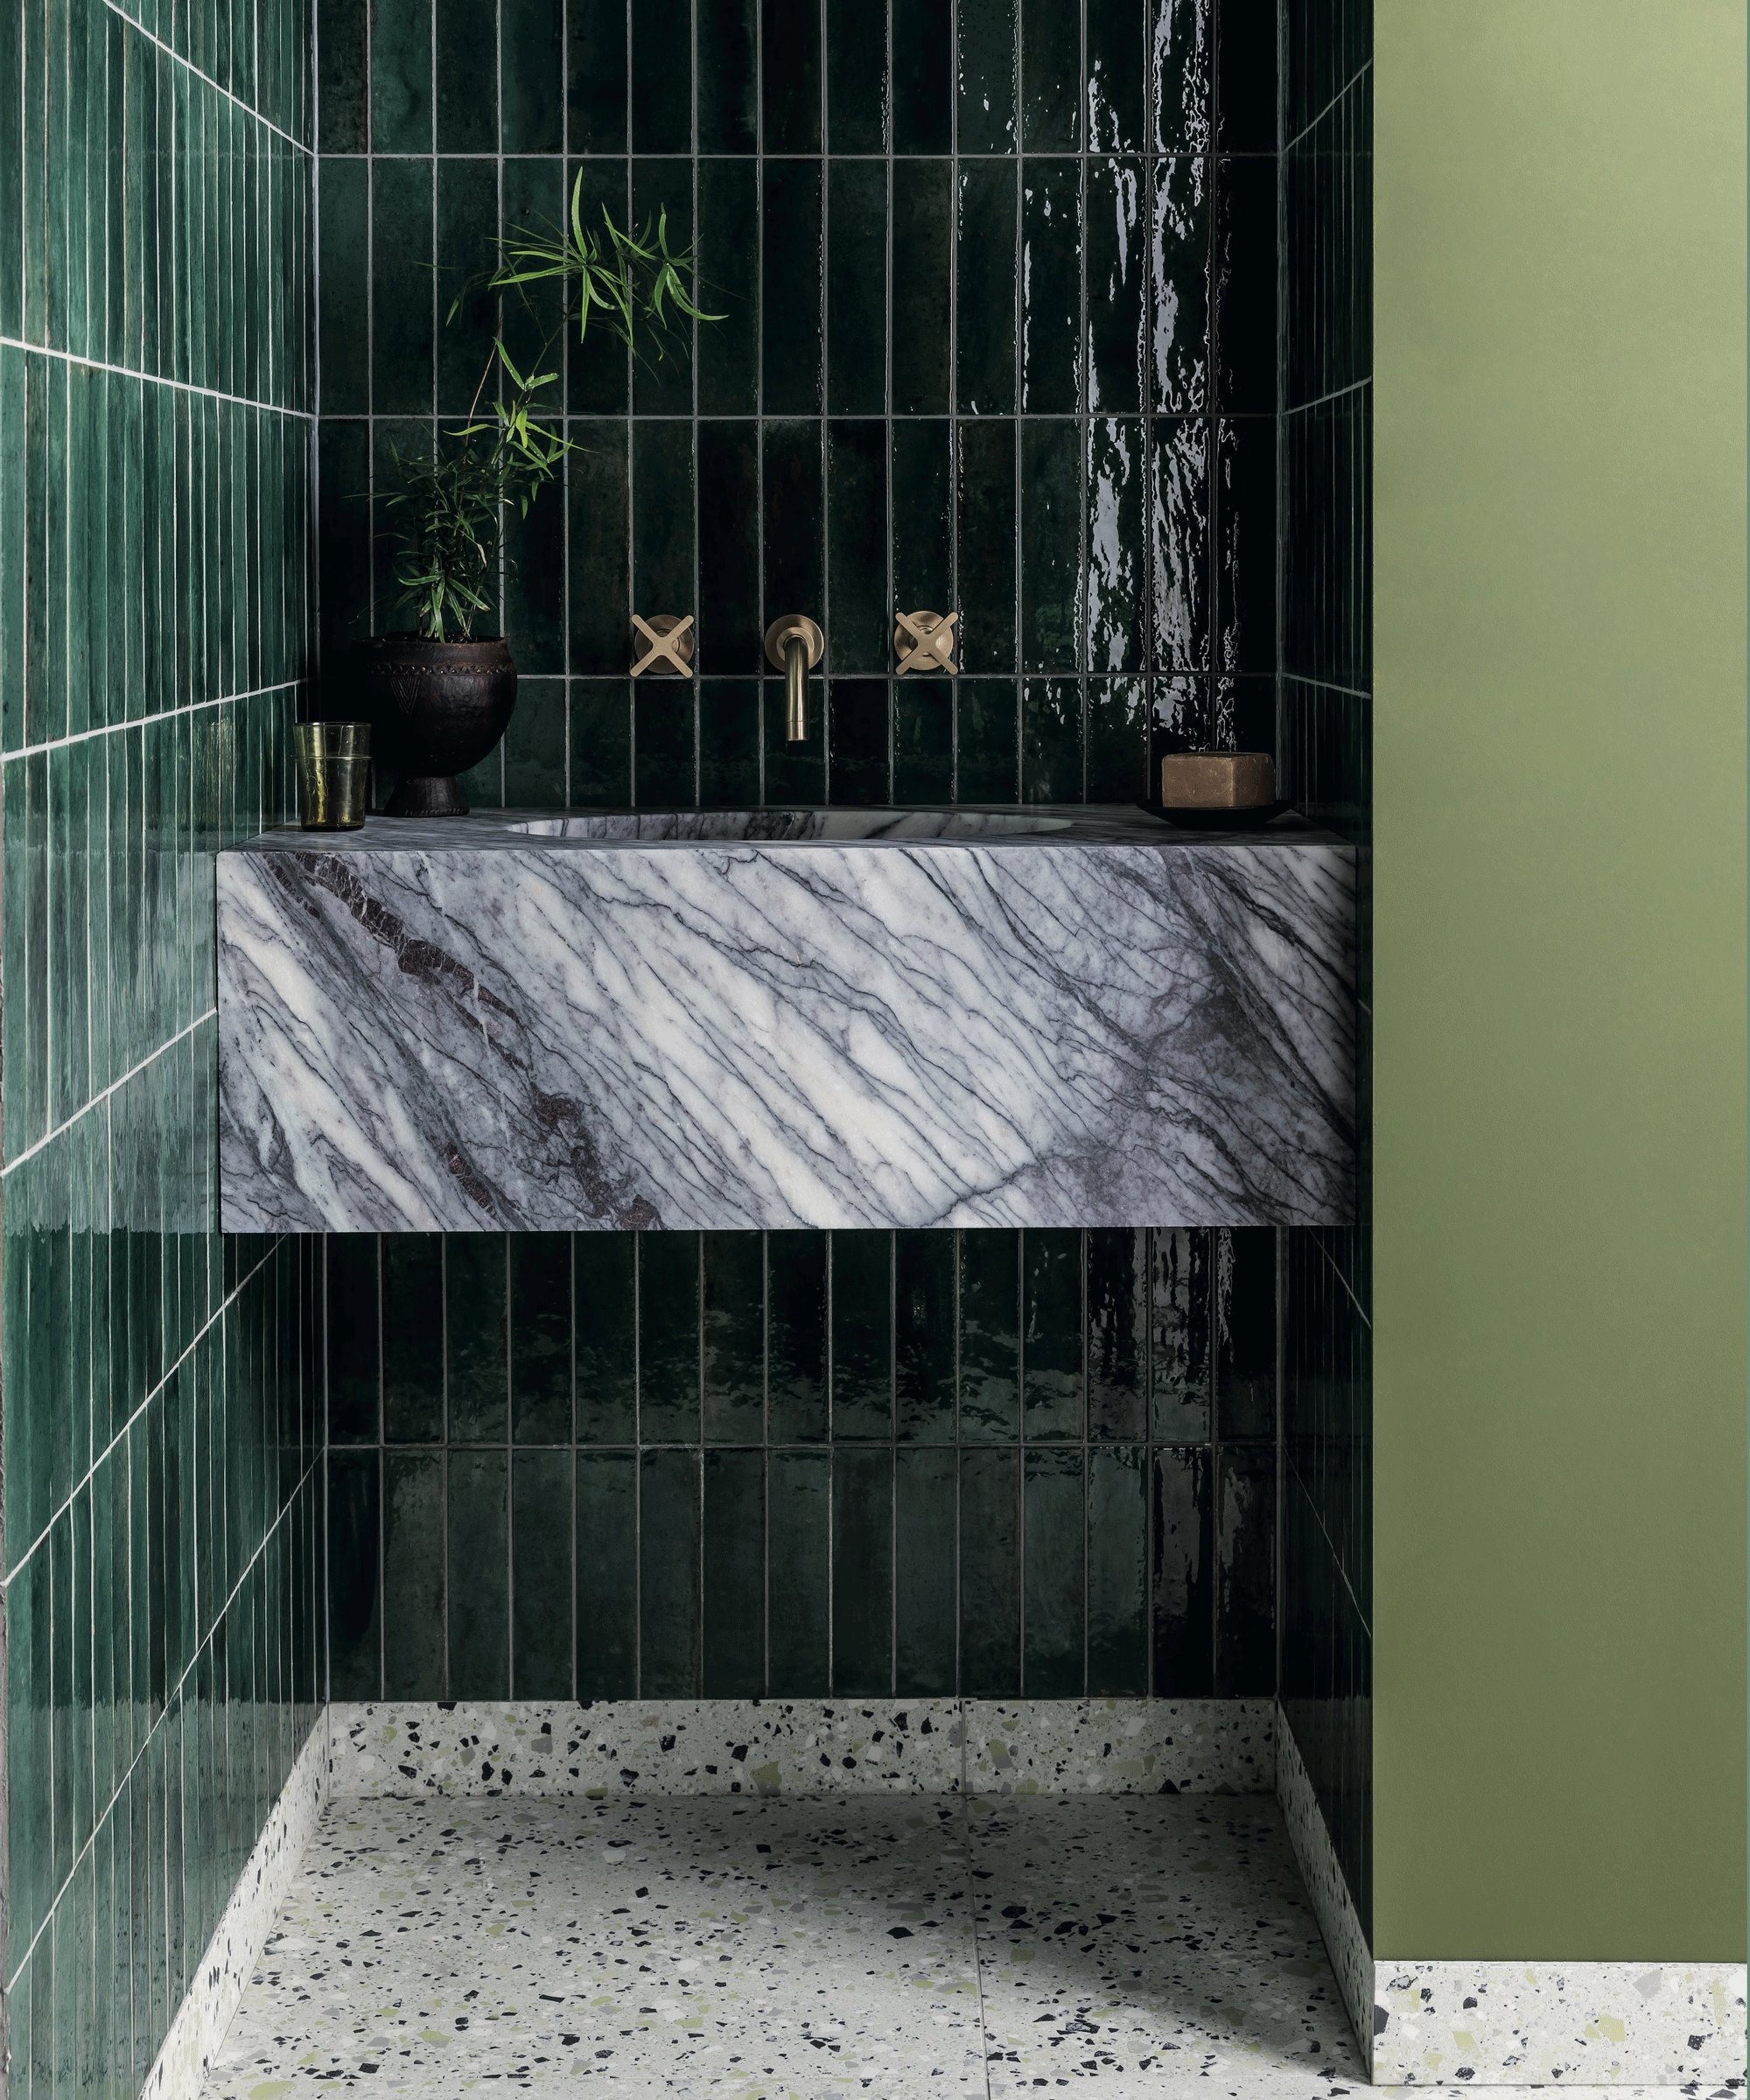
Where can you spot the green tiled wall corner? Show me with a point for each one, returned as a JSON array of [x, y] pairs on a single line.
[[162, 1417], [736, 1465], [1326, 732]]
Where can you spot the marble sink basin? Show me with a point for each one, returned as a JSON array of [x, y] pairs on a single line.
[[779, 1018]]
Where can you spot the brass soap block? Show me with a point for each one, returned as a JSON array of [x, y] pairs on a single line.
[[1217, 780]]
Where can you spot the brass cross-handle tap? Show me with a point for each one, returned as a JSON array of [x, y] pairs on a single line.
[[793, 643]]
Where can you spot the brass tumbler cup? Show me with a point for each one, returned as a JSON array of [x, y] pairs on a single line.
[[333, 773]]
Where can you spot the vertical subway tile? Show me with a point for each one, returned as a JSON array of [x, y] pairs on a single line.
[[1051, 287], [1178, 534], [729, 743], [796, 1340], [412, 1336], [922, 287], [600, 735], [668, 1355], [921, 492], [862, 1335], [541, 1338], [478, 1575], [987, 506], [1178, 319], [988, 741], [342, 75], [596, 76], [1054, 1499], [989, 1337], [1245, 633], [542, 1533], [923, 740], [858, 740], [734, 1338], [1245, 1572], [1117, 1572], [1117, 77], [662, 375], [598, 494], [1182, 1556], [733, 1631], [467, 227], [607, 1574], [474, 1339], [1181, 73], [1052, 1320], [926, 1491], [598, 368], [668, 1574], [862, 1571], [1179, 1324], [605, 1341], [353, 1344], [923, 88], [790, 76], [354, 1575], [989, 38], [1117, 731], [924, 1341], [728, 356], [990, 1573], [1245, 284], [798, 1628], [403, 294], [855, 287], [729, 624], [791, 234], [728, 34], [401, 77], [986, 219], [414, 1567], [464, 76], [531, 48], [1051, 75], [1050, 543], [1244, 1332], [1116, 589], [856, 87]]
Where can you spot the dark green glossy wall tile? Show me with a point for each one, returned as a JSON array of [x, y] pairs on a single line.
[[857, 88], [478, 1575], [607, 1568], [798, 1628], [475, 1337], [791, 76], [668, 1573], [596, 76], [401, 77], [542, 1588], [734, 1572], [530, 53], [863, 1572], [857, 287], [728, 33], [987, 212], [415, 1568], [989, 32], [791, 230]]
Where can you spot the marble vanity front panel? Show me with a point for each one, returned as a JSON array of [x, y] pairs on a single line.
[[787, 1018]]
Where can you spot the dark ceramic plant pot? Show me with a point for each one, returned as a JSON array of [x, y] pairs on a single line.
[[437, 708]]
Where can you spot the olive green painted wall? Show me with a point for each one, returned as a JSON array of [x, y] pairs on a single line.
[[1559, 826]]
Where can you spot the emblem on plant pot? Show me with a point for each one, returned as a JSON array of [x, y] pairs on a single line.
[[441, 696]]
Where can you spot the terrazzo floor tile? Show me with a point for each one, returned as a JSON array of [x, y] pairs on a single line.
[[747, 1948], [740, 1946], [1131, 1940]]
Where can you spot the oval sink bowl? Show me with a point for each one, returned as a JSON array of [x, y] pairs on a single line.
[[728, 1019]]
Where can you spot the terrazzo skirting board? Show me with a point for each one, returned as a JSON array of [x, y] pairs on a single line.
[[674, 1747], [1628, 2024], [207, 2010]]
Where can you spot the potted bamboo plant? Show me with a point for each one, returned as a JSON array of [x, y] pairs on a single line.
[[440, 696]]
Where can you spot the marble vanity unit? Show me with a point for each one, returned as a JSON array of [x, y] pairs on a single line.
[[786, 1017]]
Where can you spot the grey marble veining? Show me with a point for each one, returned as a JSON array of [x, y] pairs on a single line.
[[778, 1019]]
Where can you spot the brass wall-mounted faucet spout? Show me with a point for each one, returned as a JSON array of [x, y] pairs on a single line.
[[795, 643]]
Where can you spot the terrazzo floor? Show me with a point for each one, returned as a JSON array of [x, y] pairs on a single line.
[[784, 1948], [766, 1948]]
